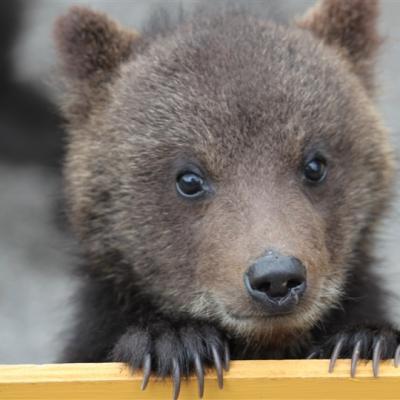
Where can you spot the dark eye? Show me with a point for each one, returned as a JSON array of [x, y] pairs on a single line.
[[315, 170], [190, 184]]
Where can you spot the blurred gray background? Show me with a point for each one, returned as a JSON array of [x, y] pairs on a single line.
[[36, 252]]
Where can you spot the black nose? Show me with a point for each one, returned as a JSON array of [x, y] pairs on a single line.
[[277, 281]]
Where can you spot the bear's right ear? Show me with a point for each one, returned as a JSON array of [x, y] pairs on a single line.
[[350, 26], [91, 47]]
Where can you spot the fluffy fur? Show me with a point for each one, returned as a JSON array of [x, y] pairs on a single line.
[[247, 101]]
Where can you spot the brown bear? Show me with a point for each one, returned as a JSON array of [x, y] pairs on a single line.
[[225, 179]]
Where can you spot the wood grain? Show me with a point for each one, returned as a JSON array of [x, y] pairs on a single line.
[[288, 379]]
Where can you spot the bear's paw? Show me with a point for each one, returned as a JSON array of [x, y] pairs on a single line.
[[367, 342], [165, 350]]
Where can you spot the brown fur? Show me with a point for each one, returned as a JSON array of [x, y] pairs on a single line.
[[247, 101], [91, 47], [351, 27]]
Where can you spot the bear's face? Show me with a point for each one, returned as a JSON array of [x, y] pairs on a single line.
[[195, 162]]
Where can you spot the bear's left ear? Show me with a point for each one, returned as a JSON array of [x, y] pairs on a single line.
[[351, 26], [91, 47]]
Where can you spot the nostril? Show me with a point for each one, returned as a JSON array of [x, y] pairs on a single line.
[[275, 289], [275, 286], [264, 287], [292, 283]]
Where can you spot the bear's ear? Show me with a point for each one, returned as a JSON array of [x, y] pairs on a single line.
[[91, 47], [351, 26]]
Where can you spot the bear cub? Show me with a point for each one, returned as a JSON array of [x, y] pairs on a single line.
[[226, 179]]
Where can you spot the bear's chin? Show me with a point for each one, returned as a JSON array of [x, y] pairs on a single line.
[[269, 326]]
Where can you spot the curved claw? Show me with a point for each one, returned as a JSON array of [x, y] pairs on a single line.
[[355, 357], [227, 356], [200, 374], [312, 355], [376, 357], [146, 370], [176, 377], [218, 366], [335, 354], [397, 357]]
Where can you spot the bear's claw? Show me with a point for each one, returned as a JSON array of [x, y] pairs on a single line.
[[369, 343], [146, 370], [336, 353], [227, 356], [397, 356], [199, 373], [218, 366], [176, 378]]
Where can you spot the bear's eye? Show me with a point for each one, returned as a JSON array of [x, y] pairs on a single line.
[[315, 169], [190, 184]]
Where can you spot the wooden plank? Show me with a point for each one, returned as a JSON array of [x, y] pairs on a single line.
[[287, 379]]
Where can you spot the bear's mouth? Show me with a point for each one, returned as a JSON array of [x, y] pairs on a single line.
[[243, 317]]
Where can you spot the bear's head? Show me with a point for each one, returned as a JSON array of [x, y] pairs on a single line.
[[231, 170]]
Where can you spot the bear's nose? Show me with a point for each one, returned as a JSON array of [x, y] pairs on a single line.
[[276, 281]]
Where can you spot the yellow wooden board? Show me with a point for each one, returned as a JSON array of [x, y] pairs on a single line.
[[287, 379]]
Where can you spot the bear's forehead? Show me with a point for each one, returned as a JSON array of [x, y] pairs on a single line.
[[236, 86], [258, 68], [246, 58]]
